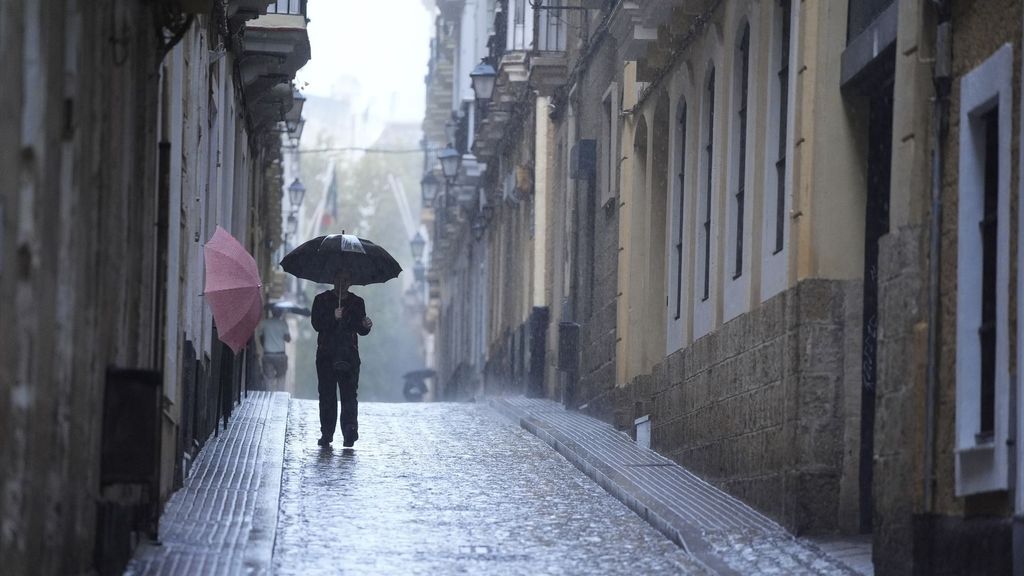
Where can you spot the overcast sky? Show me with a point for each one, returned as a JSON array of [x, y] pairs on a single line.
[[383, 44]]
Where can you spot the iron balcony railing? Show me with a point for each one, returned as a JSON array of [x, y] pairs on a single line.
[[534, 29], [293, 7], [550, 28]]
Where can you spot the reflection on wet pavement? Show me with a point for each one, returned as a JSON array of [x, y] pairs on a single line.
[[450, 488]]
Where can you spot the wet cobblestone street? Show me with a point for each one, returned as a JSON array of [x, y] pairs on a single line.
[[450, 488]]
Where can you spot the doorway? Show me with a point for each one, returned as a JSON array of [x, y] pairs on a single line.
[[876, 222]]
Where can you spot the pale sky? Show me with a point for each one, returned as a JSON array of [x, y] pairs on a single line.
[[383, 44]]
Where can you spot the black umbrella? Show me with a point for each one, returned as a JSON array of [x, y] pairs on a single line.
[[321, 258], [289, 306], [420, 374]]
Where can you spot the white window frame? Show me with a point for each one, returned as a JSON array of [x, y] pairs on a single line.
[[704, 308], [737, 288], [775, 265], [982, 466], [520, 35], [680, 207]]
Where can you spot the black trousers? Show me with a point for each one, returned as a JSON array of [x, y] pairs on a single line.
[[333, 386]]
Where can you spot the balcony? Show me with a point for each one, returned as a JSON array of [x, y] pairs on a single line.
[[548, 61], [276, 46], [281, 33], [527, 50], [648, 31], [239, 11], [634, 28], [451, 10]]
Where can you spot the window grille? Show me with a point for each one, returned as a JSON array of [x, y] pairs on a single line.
[[744, 54]]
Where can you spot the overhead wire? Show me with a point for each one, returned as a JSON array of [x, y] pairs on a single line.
[[362, 149]]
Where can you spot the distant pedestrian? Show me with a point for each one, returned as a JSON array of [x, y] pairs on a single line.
[[339, 317], [273, 335]]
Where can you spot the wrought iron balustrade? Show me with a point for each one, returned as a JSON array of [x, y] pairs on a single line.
[[550, 28]]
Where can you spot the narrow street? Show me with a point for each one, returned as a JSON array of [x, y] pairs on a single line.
[[716, 287], [451, 488], [507, 486]]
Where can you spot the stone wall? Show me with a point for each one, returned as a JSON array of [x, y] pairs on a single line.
[[594, 291], [76, 260], [900, 400], [758, 407]]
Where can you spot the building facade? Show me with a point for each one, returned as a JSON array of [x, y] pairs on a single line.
[[779, 233], [131, 131]]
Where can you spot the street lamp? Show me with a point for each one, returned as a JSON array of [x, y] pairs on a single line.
[[296, 191], [483, 78], [294, 115], [417, 244], [450, 128], [479, 226], [429, 186], [296, 133], [450, 160], [486, 209]]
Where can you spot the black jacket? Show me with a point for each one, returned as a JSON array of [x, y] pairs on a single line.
[[339, 337]]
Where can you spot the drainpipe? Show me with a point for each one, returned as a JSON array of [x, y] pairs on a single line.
[[942, 79], [1018, 515]]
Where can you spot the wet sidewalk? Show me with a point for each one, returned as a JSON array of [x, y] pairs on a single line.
[[435, 488], [223, 520], [718, 530]]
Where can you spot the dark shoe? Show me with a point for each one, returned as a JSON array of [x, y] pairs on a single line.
[[324, 441], [350, 439]]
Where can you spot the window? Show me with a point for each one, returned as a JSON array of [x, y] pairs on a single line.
[[295, 7], [782, 113], [983, 270], [517, 40], [708, 163], [743, 56], [861, 13], [989, 241], [680, 226], [775, 208]]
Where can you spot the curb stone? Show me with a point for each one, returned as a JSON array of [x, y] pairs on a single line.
[[717, 530]]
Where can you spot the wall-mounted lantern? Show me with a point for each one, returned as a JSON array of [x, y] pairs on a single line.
[[450, 160], [429, 186], [417, 244], [296, 192], [483, 78]]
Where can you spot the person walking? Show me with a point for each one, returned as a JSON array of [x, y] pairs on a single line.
[[273, 335], [339, 317]]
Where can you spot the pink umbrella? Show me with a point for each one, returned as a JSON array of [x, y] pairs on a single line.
[[233, 289]]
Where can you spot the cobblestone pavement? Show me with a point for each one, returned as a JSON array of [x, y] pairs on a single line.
[[451, 488]]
